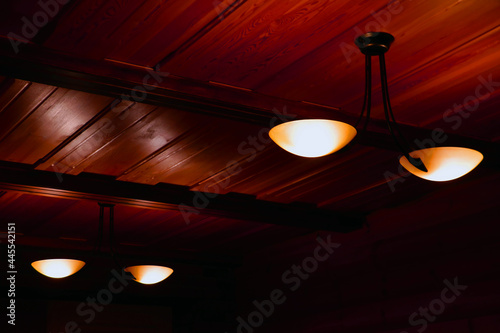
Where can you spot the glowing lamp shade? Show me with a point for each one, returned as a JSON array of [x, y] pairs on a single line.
[[148, 274], [444, 163], [312, 137], [58, 268]]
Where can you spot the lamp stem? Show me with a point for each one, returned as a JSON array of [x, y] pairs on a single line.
[[111, 236], [100, 228], [111, 229], [368, 61], [391, 121], [368, 93], [111, 207]]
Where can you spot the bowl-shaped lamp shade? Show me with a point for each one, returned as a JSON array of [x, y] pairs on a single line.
[[57, 268], [148, 274], [443, 163], [312, 137]]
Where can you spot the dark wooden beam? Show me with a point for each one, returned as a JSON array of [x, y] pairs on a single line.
[[37, 64], [23, 178], [117, 79]]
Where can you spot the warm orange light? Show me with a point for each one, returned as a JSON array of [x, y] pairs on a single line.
[[312, 137], [148, 274], [444, 163], [58, 268]]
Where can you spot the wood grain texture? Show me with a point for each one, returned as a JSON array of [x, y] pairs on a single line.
[[63, 110], [83, 28], [204, 127], [409, 55], [289, 49]]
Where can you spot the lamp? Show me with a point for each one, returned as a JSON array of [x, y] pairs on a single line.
[[149, 274], [312, 137], [58, 268], [320, 137], [443, 163], [145, 274]]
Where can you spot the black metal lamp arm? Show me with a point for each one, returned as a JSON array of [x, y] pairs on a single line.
[[391, 122], [376, 44]]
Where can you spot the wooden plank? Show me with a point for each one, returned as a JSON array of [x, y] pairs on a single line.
[[138, 33], [190, 158], [419, 98], [162, 88], [96, 141], [84, 28], [59, 116], [27, 21], [101, 121], [10, 89], [262, 37], [324, 69], [149, 38], [26, 102], [155, 134]]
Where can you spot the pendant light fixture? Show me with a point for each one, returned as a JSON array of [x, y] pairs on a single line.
[[60, 268], [320, 137], [145, 274], [312, 137], [149, 274], [443, 163]]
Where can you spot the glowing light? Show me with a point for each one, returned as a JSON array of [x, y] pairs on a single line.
[[312, 137], [148, 274], [444, 163], [58, 268]]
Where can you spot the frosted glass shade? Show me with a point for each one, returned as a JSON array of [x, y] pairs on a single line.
[[58, 268], [312, 137], [443, 163], [148, 274]]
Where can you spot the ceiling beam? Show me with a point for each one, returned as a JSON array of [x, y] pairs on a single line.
[[118, 79], [121, 80], [23, 178]]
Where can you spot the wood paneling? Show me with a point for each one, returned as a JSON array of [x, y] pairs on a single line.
[[262, 36], [433, 36], [19, 100], [294, 50], [50, 123], [208, 148], [223, 70]]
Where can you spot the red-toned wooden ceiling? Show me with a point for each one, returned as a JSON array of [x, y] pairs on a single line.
[[291, 51]]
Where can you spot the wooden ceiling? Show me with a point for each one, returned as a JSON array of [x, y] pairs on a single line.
[[183, 92]]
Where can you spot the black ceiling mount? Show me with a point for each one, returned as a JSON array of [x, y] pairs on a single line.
[[374, 43]]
